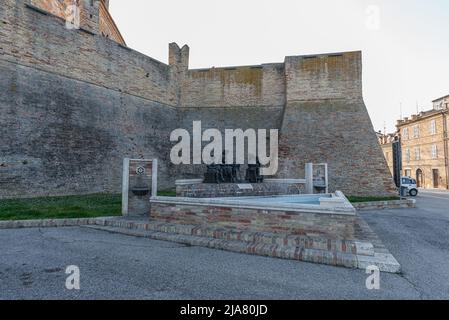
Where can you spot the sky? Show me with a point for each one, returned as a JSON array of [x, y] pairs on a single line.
[[405, 43]]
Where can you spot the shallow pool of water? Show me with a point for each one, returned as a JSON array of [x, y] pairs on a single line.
[[288, 199]]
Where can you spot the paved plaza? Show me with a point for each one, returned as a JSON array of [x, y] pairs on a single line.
[[114, 266]]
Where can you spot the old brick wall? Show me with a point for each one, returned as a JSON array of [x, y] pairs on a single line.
[[63, 136], [33, 39], [249, 97], [56, 7], [315, 101], [251, 86], [252, 117], [326, 120], [74, 104], [276, 221], [107, 26]]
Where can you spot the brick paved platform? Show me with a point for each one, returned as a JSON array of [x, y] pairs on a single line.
[[363, 251]]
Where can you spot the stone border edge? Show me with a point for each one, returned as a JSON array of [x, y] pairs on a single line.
[[52, 223], [383, 205]]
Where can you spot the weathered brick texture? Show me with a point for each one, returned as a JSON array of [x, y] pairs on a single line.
[[256, 86], [294, 223], [33, 39], [326, 121], [75, 103], [204, 190], [100, 22], [63, 136]]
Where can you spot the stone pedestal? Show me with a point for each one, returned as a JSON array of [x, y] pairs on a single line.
[[196, 189], [139, 184]]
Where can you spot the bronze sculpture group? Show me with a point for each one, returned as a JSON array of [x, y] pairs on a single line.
[[230, 173]]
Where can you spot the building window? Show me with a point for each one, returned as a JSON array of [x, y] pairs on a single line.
[[434, 151], [405, 133], [408, 173], [416, 131], [407, 155], [433, 127], [417, 153], [438, 105]]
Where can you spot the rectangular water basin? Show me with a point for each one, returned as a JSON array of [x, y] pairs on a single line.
[[329, 214]]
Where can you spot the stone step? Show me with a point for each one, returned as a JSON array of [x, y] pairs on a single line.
[[269, 250], [179, 234], [306, 242]]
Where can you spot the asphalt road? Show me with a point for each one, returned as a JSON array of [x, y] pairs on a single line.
[[112, 266]]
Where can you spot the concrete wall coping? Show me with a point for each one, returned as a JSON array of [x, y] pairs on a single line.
[[340, 208], [286, 181], [186, 182]]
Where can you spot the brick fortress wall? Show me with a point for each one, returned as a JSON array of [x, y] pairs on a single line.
[[106, 25], [75, 103]]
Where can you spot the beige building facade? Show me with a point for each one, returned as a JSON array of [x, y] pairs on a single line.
[[424, 144], [386, 143]]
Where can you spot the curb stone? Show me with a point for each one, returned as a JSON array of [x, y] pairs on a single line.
[[384, 205], [51, 223]]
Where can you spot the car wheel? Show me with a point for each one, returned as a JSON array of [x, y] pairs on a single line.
[[413, 192]]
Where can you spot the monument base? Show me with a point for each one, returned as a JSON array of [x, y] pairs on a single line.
[[197, 189]]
